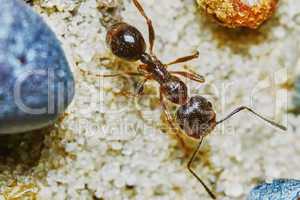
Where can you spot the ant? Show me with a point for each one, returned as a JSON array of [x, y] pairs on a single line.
[[195, 115]]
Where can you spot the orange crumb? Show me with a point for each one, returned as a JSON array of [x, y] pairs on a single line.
[[237, 13]]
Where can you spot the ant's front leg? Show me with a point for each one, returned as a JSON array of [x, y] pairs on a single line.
[[166, 112], [170, 119]]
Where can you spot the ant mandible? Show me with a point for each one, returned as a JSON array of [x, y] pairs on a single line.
[[195, 116]]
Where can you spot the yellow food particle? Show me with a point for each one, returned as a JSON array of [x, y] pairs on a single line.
[[238, 13]]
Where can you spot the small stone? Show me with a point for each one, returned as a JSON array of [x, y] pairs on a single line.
[[277, 190], [36, 84]]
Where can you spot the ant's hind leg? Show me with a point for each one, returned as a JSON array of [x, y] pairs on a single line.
[[190, 75], [184, 59], [149, 23]]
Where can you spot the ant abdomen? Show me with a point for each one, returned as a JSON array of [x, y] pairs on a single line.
[[197, 117], [125, 41]]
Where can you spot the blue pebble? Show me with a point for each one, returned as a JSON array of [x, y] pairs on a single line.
[[281, 189], [36, 84]]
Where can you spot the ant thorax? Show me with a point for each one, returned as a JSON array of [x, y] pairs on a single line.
[[174, 90]]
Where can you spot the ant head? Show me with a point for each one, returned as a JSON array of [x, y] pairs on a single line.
[[125, 41], [197, 117], [175, 90]]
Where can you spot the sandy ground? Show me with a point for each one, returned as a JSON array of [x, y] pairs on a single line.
[[109, 146]]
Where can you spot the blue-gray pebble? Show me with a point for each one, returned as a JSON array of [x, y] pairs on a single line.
[[36, 84], [281, 189]]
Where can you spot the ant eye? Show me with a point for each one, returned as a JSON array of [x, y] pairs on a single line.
[[209, 104]]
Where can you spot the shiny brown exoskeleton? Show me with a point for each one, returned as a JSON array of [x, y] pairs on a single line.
[[198, 119], [195, 116], [126, 42]]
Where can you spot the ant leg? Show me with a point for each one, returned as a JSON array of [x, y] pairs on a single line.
[[142, 69], [253, 112], [190, 75], [170, 119], [189, 166], [168, 115], [149, 23], [111, 75], [139, 90], [184, 59], [140, 87]]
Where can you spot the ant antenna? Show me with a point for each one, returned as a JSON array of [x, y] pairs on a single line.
[[192, 171], [253, 112], [219, 122]]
